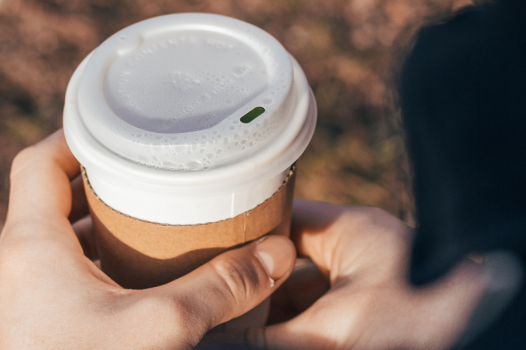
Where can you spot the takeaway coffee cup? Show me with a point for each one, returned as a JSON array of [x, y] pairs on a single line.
[[187, 127]]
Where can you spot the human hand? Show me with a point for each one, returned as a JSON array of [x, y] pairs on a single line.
[[359, 296], [52, 296]]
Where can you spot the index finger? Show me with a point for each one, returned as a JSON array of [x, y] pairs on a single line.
[[312, 231], [40, 183]]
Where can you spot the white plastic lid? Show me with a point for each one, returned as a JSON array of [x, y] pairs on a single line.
[[104, 137], [188, 92]]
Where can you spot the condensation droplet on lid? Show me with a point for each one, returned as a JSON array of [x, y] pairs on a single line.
[[194, 165]]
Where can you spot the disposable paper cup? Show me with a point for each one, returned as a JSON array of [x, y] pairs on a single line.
[[187, 127]]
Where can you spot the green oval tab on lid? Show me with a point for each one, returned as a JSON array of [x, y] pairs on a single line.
[[253, 114]]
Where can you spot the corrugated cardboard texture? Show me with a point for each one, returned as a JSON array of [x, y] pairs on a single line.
[[139, 254]]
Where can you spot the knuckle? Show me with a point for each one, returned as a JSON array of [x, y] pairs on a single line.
[[374, 214], [380, 218], [179, 315], [240, 278], [369, 217], [167, 310], [23, 158], [185, 311], [15, 263]]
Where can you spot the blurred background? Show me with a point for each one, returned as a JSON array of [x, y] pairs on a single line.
[[350, 51]]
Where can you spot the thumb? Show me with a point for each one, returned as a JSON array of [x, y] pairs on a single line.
[[231, 284]]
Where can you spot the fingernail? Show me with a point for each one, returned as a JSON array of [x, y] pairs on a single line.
[[277, 254]]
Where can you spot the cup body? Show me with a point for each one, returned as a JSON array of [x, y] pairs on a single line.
[[140, 254]]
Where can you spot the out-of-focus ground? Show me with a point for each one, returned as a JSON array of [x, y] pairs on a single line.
[[349, 49]]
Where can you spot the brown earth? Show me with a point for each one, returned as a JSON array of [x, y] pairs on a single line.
[[349, 49]]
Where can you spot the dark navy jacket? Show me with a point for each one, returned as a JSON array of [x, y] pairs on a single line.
[[463, 99]]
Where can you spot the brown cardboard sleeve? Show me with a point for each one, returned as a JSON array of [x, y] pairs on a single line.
[[139, 254]]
